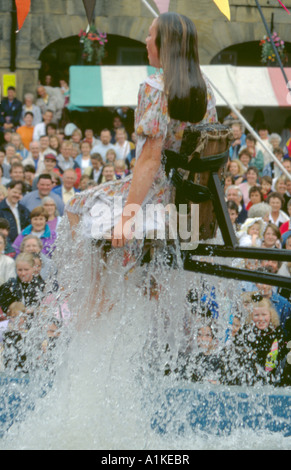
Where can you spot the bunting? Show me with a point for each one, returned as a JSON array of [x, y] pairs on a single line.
[[163, 5], [223, 6], [89, 8], [22, 8]]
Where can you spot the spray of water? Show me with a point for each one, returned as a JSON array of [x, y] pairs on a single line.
[[103, 384]]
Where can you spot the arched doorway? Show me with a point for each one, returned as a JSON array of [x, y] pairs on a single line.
[[244, 54], [57, 58]]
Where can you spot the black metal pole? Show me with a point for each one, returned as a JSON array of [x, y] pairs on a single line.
[[228, 272], [273, 46], [13, 37], [240, 252]]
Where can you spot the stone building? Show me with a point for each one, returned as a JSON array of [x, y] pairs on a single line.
[[49, 36]]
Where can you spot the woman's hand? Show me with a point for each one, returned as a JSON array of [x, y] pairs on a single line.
[[121, 233]]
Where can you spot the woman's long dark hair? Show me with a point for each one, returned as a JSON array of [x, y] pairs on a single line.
[[178, 52]]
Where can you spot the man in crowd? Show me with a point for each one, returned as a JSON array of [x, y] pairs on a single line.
[[17, 172], [10, 111], [28, 105], [40, 129], [239, 140], [44, 188], [14, 211], [108, 173], [65, 159], [95, 171], [48, 100], [233, 193], [34, 157], [67, 190], [50, 167], [104, 145]]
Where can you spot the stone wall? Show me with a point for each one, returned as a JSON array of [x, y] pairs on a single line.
[[49, 21]]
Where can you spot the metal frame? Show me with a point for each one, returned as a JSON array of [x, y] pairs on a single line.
[[231, 248]]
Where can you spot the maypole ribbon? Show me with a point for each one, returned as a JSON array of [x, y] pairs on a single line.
[[282, 5]]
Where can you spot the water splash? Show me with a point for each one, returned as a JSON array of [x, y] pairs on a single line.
[[105, 386]]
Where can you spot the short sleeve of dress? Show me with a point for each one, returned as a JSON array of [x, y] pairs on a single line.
[[211, 113], [151, 118]]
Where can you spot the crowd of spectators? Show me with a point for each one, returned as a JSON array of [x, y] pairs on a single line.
[[45, 159]]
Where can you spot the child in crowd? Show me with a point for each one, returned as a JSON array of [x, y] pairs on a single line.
[[120, 169], [206, 366], [232, 208], [255, 196], [14, 353], [5, 229], [110, 156], [25, 287], [266, 185], [7, 264], [228, 180], [251, 232]]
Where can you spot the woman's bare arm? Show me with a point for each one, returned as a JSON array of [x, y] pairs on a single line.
[[145, 169]]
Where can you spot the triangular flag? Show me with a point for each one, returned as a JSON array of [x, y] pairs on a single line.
[[22, 7], [89, 7], [223, 6], [163, 5]]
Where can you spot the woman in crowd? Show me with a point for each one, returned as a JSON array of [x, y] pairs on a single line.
[[17, 142], [257, 156], [33, 245], [40, 228], [251, 180], [280, 185], [122, 145], [245, 158], [277, 216], [53, 215], [272, 237], [83, 160], [236, 169], [77, 136], [55, 144], [255, 196], [258, 348]]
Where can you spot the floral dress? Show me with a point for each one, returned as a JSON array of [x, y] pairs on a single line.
[[100, 208]]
